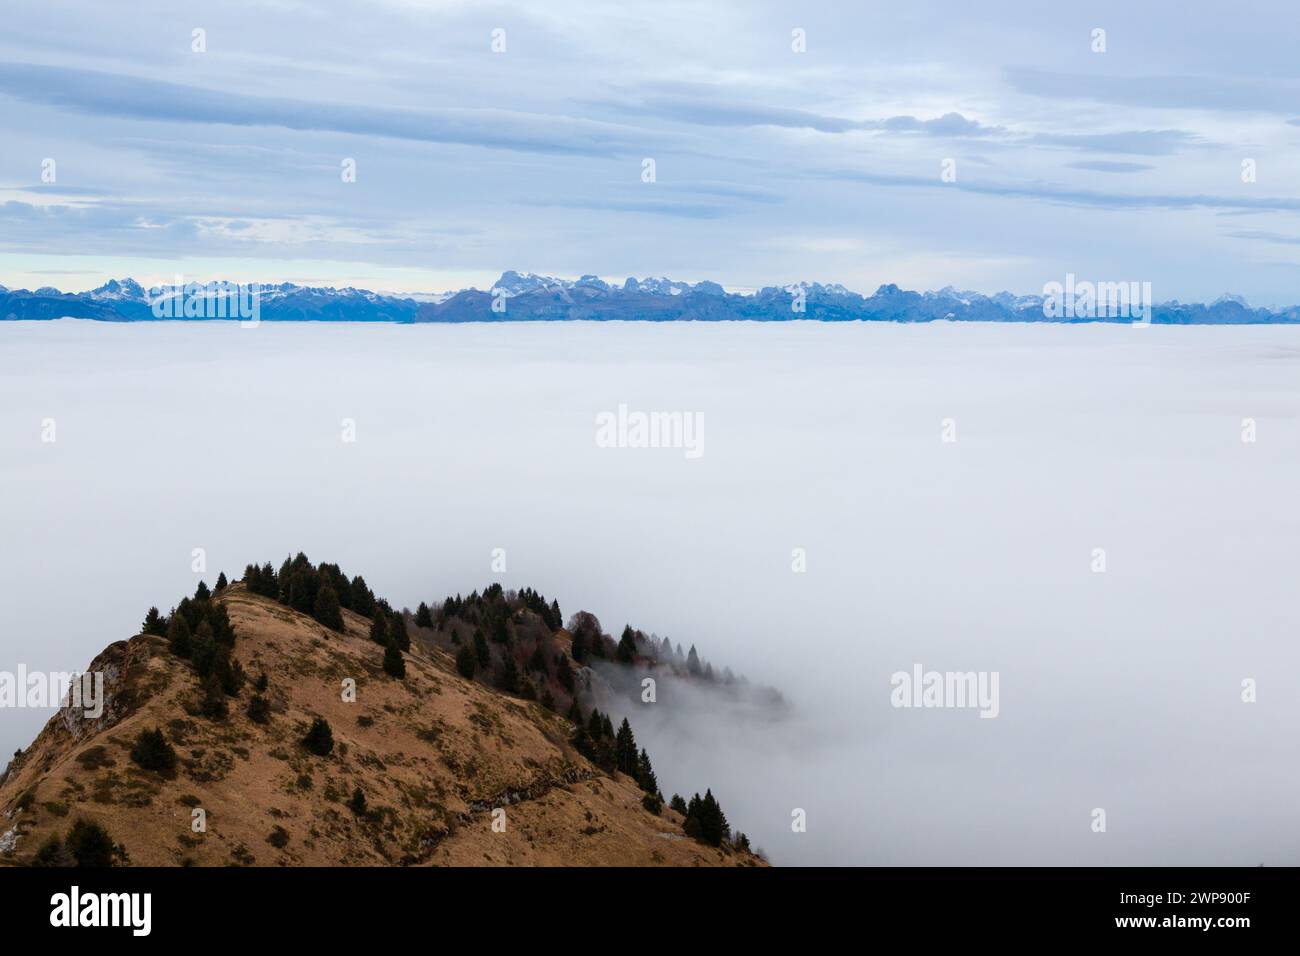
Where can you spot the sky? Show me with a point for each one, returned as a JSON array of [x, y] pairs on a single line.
[[771, 164]]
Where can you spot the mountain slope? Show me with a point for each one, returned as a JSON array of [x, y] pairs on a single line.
[[433, 754]]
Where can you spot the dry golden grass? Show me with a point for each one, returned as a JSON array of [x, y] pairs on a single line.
[[434, 754]]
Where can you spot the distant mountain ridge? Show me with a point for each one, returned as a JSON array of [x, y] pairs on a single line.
[[528, 297]]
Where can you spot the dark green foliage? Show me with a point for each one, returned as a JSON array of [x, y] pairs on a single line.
[[90, 845], [379, 629], [53, 853], [625, 756], [652, 803], [705, 820], [154, 624], [363, 599], [501, 631], [178, 635], [645, 774], [397, 631], [394, 663], [212, 703], [325, 608], [262, 683], [579, 647], [152, 752], [319, 739], [678, 804], [358, 802], [481, 650], [259, 709], [627, 646], [466, 662], [538, 661], [222, 583], [509, 679], [201, 593], [564, 673], [423, 616], [262, 580]]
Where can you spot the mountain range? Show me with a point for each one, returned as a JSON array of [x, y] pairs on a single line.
[[529, 297]]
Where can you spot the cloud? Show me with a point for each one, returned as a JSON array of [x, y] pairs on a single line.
[[1109, 166], [1151, 142], [1074, 197], [1177, 92], [113, 94]]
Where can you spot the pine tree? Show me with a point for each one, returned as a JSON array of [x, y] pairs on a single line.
[[326, 608], [693, 662], [90, 845], [645, 774], [579, 648], [213, 704], [394, 664], [358, 802], [397, 631], [319, 739], [423, 616], [379, 629], [509, 674], [678, 804], [481, 649], [152, 751], [627, 646], [201, 593], [466, 663], [259, 709], [222, 583], [178, 635], [154, 624], [538, 661], [625, 756]]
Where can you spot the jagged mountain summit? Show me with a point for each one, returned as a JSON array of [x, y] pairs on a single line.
[[292, 718], [529, 297]]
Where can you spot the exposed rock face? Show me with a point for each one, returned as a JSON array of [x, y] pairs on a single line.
[[452, 771]]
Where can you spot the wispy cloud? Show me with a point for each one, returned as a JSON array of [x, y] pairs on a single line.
[[115, 94]]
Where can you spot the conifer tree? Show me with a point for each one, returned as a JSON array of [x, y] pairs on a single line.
[[481, 650], [178, 635], [645, 774], [627, 646], [397, 631], [625, 756], [326, 608], [466, 662], [222, 583], [379, 629], [423, 616], [154, 624], [509, 674], [90, 845], [259, 709], [319, 739], [152, 751], [538, 661], [201, 593], [358, 802], [693, 662], [394, 664]]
